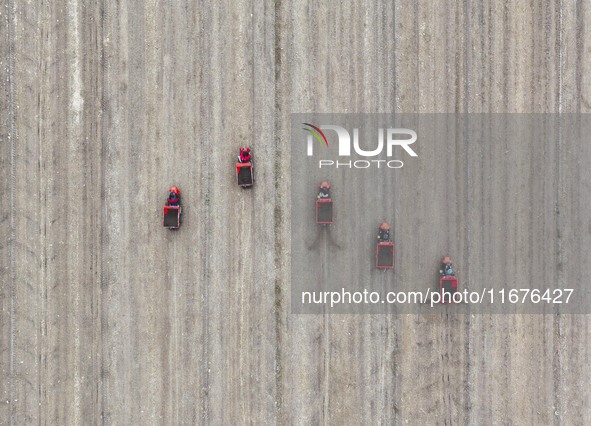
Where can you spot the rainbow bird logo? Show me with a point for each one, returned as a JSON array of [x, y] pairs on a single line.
[[317, 133]]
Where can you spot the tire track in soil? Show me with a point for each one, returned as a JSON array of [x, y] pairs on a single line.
[[466, 318], [205, 278], [206, 230], [560, 228], [43, 229], [174, 397], [278, 214], [103, 301], [12, 136], [326, 319]]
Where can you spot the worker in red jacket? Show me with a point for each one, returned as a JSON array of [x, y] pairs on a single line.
[[244, 155], [174, 196]]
